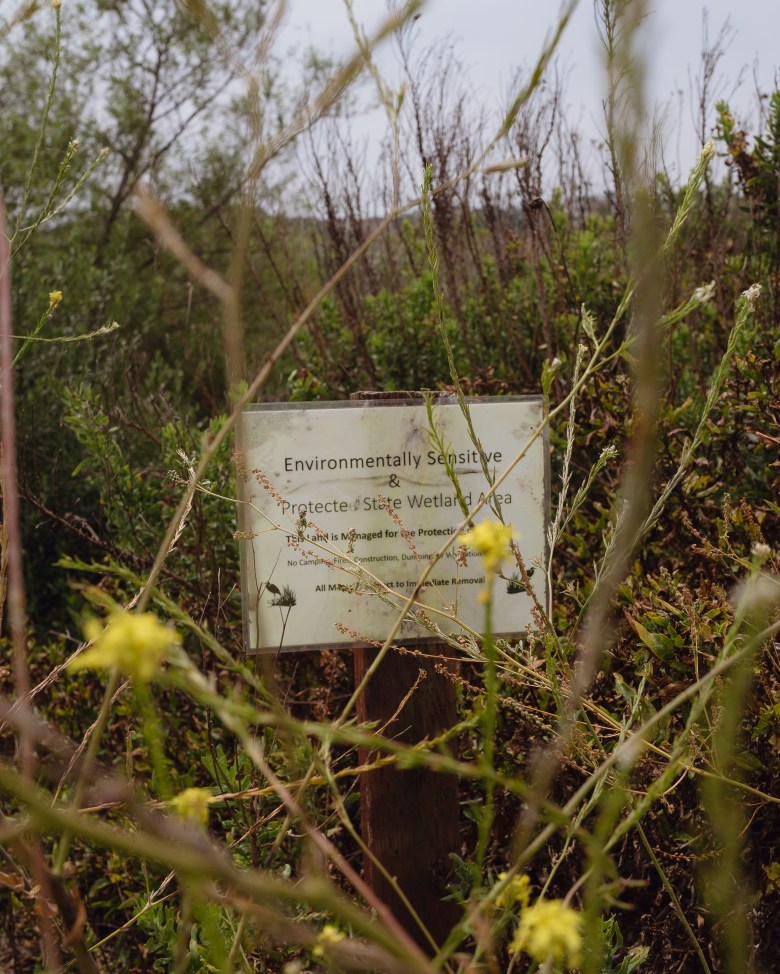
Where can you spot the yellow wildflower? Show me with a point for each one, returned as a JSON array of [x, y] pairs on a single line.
[[492, 540], [328, 936], [192, 805], [550, 930], [54, 299], [133, 642], [517, 890]]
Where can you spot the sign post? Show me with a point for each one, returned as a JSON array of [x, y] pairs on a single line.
[[410, 819], [343, 506]]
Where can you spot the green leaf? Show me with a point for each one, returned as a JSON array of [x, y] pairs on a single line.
[[658, 644]]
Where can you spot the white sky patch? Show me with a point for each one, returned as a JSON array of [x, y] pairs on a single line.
[[494, 38]]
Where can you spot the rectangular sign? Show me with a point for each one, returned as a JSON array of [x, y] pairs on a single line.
[[343, 504]]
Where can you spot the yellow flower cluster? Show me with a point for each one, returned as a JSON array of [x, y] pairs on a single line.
[[54, 299], [550, 930], [492, 540], [192, 805], [517, 891], [328, 936], [134, 642]]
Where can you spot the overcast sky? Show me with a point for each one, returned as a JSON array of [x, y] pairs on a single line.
[[495, 37]]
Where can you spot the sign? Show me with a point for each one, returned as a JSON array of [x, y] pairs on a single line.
[[343, 504]]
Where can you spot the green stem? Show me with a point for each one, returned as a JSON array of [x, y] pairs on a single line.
[[235, 947], [673, 897], [44, 123], [86, 767], [153, 732], [485, 821]]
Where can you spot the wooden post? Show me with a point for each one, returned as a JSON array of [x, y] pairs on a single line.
[[409, 819]]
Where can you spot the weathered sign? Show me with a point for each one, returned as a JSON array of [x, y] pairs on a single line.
[[343, 504]]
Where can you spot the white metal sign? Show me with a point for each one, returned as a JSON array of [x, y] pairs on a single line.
[[343, 504]]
